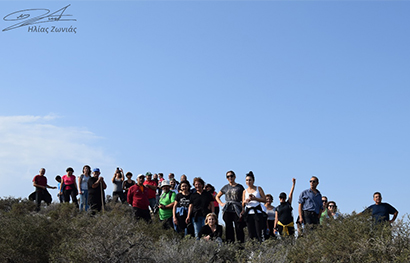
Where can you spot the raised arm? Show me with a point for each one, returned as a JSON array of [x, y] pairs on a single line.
[[113, 178], [290, 198], [122, 175]]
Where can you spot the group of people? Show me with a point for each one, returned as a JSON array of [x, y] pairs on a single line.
[[194, 210], [90, 187]]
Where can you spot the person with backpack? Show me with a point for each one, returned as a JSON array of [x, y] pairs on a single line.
[[166, 205]]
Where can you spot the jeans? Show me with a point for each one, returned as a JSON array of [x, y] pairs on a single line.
[[198, 223], [84, 200]]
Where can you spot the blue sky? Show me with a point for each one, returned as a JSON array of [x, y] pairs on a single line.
[[283, 88]]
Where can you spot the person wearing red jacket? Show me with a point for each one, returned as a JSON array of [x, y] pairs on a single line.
[[138, 197]]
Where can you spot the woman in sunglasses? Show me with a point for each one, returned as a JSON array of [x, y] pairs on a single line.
[[332, 210], [232, 208]]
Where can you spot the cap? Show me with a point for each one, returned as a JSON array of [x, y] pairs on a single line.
[[96, 170]]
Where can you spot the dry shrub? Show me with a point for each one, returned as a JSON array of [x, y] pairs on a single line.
[[60, 233]]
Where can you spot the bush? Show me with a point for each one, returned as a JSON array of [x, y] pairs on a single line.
[[60, 233]]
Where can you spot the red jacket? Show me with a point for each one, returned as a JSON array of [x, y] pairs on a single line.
[[138, 198]]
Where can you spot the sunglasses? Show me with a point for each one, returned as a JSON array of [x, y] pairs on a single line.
[[312, 181], [230, 176], [331, 206]]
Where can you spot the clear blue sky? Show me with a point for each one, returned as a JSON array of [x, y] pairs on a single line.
[[283, 88]]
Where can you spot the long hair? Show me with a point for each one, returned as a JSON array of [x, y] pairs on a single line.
[[89, 169], [211, 215]]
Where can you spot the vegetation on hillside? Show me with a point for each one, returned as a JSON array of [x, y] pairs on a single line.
[[59, 233]]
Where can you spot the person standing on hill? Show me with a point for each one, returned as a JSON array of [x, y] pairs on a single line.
[[283, 214], [152, 188], [252, 200], [96, 186], [126, 185], [166, 205], [180, 210], [83, 187], [171, 177], [40, 183], [310, 204], [211, 189], [138, 198], [324, 213], [201, 204], [270, 211], [381, 211], [69, 187], [117, 181], [232, 208]]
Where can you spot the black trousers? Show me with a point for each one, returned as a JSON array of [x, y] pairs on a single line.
[[256, 226], [70, 193], [95, 203], [42, 194], [120, 194], [231, 219], [310, 218], [141, 214]]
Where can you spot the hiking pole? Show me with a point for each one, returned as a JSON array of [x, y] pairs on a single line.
[[102, 197]]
